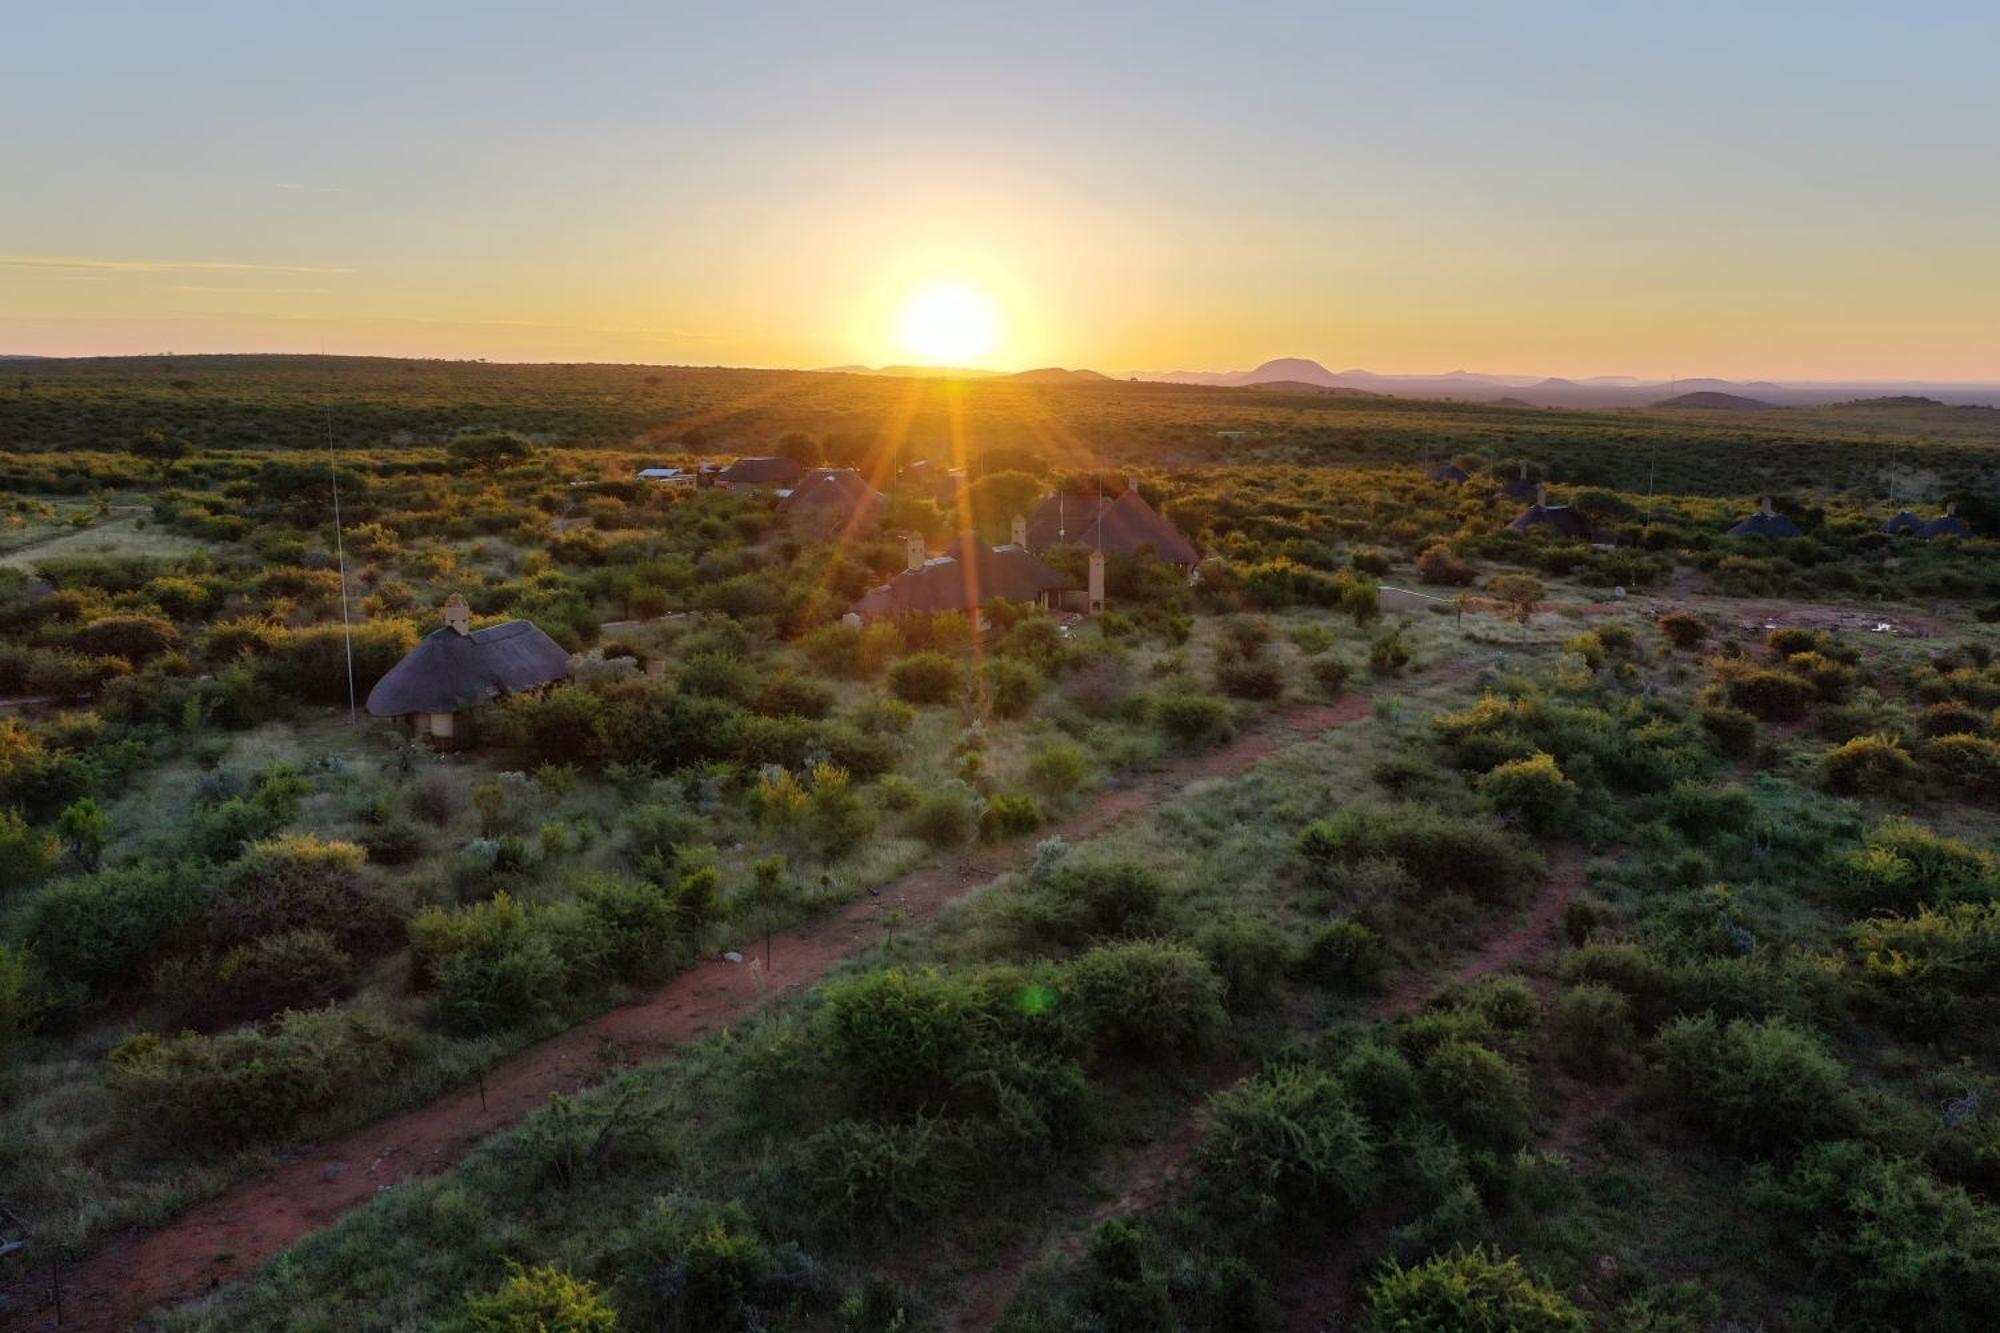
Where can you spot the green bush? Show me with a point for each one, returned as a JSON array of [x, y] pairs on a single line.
[[1012, 686], [1147, 997], [1921, 967], [1288, 1143], [295, 969], [100, 930], [1082, 901], [1900, 1248], [1902, 866], [1260, 678], [545, 1299], [1381, 1082], [1057, 768], [1248, 955], [1440, 852], [1468, 1290], [565, 725], [256, 1083], [942, 818], [1533, 790], [925, 678], [300, 882], [1593, 1030], [1760, 1087], [1006, 816], [1683, 629], [1191, 720], [1868, 765], [1476, 1091], [1346, 955], [28, 853]]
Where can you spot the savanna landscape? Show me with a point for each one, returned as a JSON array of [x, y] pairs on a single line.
[[1393, 919]]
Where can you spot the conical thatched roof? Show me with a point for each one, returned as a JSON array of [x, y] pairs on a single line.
[[1767, 523], [1563, 518], [1903, 523], [449, 672], [1450, 472], [1946, 525], [834, 491]]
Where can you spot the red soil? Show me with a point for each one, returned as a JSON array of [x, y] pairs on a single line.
[[228, 1237]]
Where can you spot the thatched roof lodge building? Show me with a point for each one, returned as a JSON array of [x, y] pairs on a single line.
[[967, 576], [1904, 524], [1947, 524], [1565, 519], [457, 668], [833, 497], [1767, 523], [1125, 525], [749, 474]]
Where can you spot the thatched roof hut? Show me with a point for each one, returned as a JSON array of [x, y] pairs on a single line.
[[1450, 472], [1565, 519], [1904, 524], [834, 495], [1767, 523], [1520, 488], [457, 667], [748, 472], [1947, 524], [968, 575]]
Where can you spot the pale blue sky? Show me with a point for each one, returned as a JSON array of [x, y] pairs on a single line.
[[1779, 190]]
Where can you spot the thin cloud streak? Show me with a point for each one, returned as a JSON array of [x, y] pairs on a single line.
[[158, 265]]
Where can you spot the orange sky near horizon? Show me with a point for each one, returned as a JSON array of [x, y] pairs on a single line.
[[1572, 193]]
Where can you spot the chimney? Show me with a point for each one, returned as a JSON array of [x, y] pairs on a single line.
[[1950, 508], [1096, 582], [1542, 496], [1764, 505], [913, 551], [1021, 530], [457, 615], [1524, 472]]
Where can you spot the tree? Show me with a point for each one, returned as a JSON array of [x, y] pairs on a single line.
[[84, 830], [1519, 593], [800, 447], [489, 450], [160, 447]]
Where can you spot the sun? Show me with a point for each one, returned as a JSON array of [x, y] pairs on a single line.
[[948, 322]]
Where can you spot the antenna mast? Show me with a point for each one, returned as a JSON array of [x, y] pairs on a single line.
[[339, 547]]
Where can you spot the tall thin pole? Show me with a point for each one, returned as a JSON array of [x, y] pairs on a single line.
[[339, 547]]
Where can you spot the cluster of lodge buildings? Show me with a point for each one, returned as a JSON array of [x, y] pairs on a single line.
[[1765, 522]]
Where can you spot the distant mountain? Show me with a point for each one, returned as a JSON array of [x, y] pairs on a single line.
[[1322, 390], [1895, 400], [1057, 375], [1711, 398], [1296, 369]]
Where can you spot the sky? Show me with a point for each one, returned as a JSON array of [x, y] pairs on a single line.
[[1801, 191]]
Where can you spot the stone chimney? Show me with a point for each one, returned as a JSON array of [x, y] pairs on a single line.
[[1021, 530], [1950, 508], [913, 551], [1096, 582], [1764, 505], [457, 615], [1542, 496]]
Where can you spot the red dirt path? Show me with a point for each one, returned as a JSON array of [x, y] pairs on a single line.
[[228, 1237]]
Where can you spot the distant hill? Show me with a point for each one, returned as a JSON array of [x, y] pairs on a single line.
[[1896, 400], [1732, 402], [1303, 386], [1057, 375], [1284, 369]]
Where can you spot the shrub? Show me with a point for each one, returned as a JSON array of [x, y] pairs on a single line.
[[1381, 1082], [1762, 1087], [1286, 1144], [30, 854], [1631, 970], [1389, 653], [1920, 967], [297, 969], [1057, 768], [1593, 1030], [21, 997], [1870, 765], [100, 930], [834, 649], [1439, 564], [1147, 997], [1901, 1249], [1005, 817], [1083, 901], [1732, 729], [942, 818], [925, 678], [1248, 955], [1533, 790], [136, 638], [1477, 1092], [1012, 686], [1250, 678], [1331, 673], [1468, 1290], [1683, 629], [1438, 851], [565, 725], [1767, 694], [1347, 955], [255, 1083], [299, 882], [1902, 866], [1191, 720], [1970, 764], [545, 1299]]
